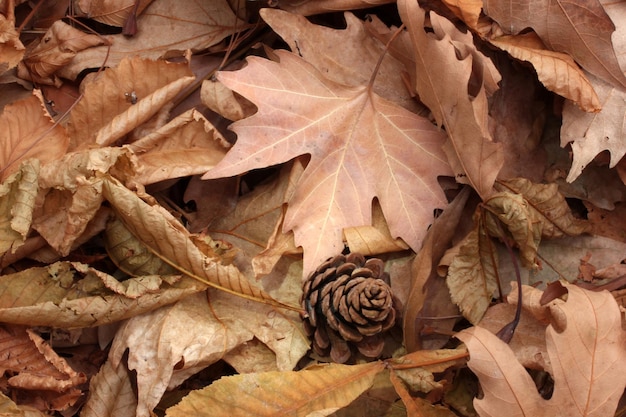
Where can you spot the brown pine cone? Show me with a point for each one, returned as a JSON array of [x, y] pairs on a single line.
[[348, 302]]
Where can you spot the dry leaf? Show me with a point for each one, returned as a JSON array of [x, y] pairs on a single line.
[[110, 97], [167, 238], [110, 393], [165, 28], [275, 394], [351, 66], [167, 346], [110, 12], [224, 101], [467, 10], [453, 80], [187, 145], [55, 50], [581, 29], [24, 125], [346, 131], [587, 349], [557, 71], [17, 201], [66, 296], [11, 48]]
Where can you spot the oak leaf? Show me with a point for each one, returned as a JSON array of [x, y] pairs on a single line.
[[361, 147], [453, 80], [587, 350], [581, 29]]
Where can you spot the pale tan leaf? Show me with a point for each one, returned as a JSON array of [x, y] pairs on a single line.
[[167, 238], [73, 192], [592, 133], [187, 145], [110, 393], [168, 345], [224, 101], [137, 114], [549, 207], [467, 10], [453, 80], [361, 147], [69, 296], [57, 48], [11, 48], [309, 7], [113, 93], [280, 393], [110, 12], [557, 71], [351, 66], [17, 201], [472, 275], [165, 28], [581, 29], [587, 349], [374, 239], [28, 131]]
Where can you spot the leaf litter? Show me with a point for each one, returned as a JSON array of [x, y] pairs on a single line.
[[158, 223]]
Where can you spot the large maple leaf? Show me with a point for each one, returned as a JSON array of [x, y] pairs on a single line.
[[361, 147]]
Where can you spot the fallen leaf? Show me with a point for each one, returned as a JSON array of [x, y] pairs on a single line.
[[23, 126], [350, 62], [346, 131], [581, 29], [586, 346], [112, 13], [18, 193], [67, 296], [110, 393], [188, 145], [55, 50], [557, 71], [321, 387], [453, 80], [107, 101], [592, 133], [11, 48], [165, 28]]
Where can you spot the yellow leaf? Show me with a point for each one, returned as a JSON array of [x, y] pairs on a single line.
[[276, 394]]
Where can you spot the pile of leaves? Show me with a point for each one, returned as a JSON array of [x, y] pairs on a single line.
[[172, 172]]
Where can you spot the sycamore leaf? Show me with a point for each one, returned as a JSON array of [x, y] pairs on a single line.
[[66, 295], [467, 10], [17, 201], [56, 49], [165, 28], [361, 147], [557, 71], [351, 66], [453, 80], [23, 126], [166, 237], [587, 349], [581, 29], [276, 394]]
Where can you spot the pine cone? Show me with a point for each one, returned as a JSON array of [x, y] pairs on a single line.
[[348, 302]]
